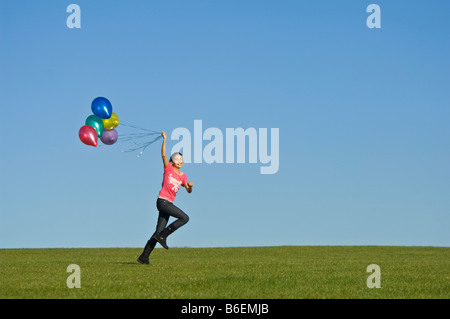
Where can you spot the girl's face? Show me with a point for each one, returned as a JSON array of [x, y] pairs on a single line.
[[177, 161]]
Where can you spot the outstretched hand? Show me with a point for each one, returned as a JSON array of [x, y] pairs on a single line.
[[164, 135]]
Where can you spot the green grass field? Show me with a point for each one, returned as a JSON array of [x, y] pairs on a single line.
[[244, 273]]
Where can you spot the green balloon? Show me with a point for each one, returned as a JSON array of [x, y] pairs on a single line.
[[97, 123]]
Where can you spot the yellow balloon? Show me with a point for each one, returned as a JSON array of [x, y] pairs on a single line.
[[112, 122]]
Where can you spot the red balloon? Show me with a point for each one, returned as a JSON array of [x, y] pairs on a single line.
[[88, 135]]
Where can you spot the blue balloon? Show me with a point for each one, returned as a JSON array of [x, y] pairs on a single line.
[[102, 107]]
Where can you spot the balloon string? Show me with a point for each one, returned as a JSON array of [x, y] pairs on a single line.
[[130, 137], [142, 146], [139, 128]]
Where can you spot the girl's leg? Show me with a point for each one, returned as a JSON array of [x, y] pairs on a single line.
[[163, 218], [181, 216], [170, 209], [151, 243]]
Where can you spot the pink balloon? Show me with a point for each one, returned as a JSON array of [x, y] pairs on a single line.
[[88, 135]]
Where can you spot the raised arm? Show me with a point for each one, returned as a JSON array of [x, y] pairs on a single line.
[[163, 150]]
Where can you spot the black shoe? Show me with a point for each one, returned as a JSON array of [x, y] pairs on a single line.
[[161, 239], [143, 260], [162, 236]]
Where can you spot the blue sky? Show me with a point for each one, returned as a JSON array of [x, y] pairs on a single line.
[[362, 114]]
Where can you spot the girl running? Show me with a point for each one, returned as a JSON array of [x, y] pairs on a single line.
[[172, 180]]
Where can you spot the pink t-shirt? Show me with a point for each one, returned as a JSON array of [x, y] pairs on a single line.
[[171, 183]]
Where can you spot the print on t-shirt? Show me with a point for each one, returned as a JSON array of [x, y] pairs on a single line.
[[176, 183]]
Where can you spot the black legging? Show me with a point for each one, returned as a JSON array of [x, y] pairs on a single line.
[[167, 209]]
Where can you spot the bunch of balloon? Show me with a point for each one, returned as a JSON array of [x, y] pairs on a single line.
[[102, 124]]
